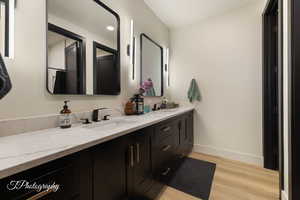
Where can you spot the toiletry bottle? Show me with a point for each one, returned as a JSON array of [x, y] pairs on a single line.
[[65, 120], [164, 103], [139, 103], [129, 108]]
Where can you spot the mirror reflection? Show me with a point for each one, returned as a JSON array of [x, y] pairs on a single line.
[[66, 67], [105, 69], [151, 67], [6, 27], [70, 47]]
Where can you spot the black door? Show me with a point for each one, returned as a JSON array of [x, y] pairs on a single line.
[[72, 69], [109, 171], [106, 75], [271, 88], [294, 104]]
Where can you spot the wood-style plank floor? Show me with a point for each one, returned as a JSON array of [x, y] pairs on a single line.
[[234, 181]]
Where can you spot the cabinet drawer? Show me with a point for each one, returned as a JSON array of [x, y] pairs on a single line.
[[165, 130], [164, 153]]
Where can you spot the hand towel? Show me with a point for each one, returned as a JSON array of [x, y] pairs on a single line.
[[5, 83], [194, 93]]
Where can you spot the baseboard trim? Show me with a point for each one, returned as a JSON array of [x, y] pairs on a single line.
[[284, 195], [232, 155]]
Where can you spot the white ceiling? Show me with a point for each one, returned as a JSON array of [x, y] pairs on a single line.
[[177, 13]]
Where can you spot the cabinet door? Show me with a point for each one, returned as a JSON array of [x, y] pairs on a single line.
[[186, 134], [109, 171], [142, 168], [190, 130], [71, 174]]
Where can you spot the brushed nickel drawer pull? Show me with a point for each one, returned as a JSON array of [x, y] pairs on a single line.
[[165, 173], [166, 129], [138, 156], [166, 148], [40, 195], [131, 156]]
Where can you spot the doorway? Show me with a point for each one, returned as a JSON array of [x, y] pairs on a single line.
[[273, 88], [65, 62]]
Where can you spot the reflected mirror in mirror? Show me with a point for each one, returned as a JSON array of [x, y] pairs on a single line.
[[70, 48], [151, 67], [106, 70], [66, 66]]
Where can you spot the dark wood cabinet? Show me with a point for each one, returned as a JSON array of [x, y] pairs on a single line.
[[167, 147], [139, 168], [129, 167], [71, 174], [186, 134], [109, 170]]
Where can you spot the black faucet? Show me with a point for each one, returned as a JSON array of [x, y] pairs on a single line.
[[105, 118], [85, 121], [95, 116]]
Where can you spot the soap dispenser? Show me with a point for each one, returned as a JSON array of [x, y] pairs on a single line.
[[139, 104], [65, 120]]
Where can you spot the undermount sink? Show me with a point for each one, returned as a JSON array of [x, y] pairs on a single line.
[[109, 125]]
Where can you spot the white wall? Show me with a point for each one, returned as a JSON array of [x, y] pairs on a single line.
[[28, 69], [223, 54]]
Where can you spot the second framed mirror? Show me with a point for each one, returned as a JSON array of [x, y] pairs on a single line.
[[152, 69]]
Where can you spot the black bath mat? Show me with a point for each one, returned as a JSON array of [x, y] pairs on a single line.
[[194, 177]]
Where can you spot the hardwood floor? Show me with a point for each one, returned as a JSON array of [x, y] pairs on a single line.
[[234, 181]]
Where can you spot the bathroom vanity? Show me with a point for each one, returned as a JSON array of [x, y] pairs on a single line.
[[124, 158]]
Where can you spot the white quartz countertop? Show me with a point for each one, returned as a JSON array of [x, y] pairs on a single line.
[[25, 151]]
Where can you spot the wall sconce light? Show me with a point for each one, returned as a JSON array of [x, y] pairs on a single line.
[[132, 48], [7, 26], [167, 66]]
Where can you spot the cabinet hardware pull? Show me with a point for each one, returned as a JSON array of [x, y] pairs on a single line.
[[131, 156], [40, 195], [166, 129], [165, 173], [138, 155], [166, 148]]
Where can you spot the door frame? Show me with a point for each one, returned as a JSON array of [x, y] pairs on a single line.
[[266, 104]]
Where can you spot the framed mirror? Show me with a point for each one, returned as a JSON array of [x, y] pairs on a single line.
[[75, 41], [152, 67]]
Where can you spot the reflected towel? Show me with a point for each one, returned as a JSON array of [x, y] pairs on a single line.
[[5, 83], [194, 93], [150, 92]]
